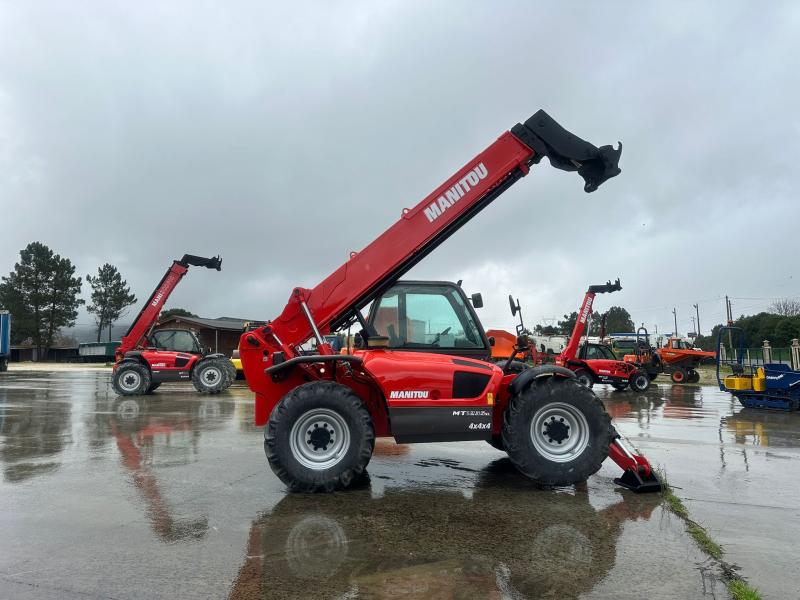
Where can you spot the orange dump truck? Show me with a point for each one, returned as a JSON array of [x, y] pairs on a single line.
[[680, 360]]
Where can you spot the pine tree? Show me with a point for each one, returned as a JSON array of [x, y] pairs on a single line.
[[110, 297], [42, 295]]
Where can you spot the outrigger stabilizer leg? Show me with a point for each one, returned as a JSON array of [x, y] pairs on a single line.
[[638, 475]]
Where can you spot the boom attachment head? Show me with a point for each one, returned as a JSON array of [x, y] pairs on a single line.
[[606, 288], [568, 152], [215, 262]]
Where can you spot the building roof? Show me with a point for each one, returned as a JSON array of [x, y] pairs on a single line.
[[228, 323]]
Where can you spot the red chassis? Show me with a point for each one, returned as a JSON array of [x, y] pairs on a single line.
[[409, 381], [146, 359]]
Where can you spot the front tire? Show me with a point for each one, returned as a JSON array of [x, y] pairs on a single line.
[[557, 432], [131, 379], [619, 386], [153, 387], [639, 382], [319, 438], [694, 376], [210, 376]]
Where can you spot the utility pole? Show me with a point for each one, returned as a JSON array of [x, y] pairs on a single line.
[[694, 328], [675, 315], [697, 309], [729, 310]]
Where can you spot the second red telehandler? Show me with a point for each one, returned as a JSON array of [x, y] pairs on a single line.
[[596, 363], [145, 359]]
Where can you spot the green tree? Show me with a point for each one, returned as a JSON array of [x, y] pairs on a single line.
[[618, 320], [42, 295], [540, 329], [110, 297], [568, 324], [175, 312]]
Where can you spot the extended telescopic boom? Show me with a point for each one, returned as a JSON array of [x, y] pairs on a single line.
[[333, 302], [571, 351]]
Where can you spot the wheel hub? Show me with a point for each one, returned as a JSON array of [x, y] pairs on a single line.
[[559, 432], [556, 430], [130, 381], [319, 439]]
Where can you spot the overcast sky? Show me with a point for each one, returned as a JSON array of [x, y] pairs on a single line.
[[283, 136]]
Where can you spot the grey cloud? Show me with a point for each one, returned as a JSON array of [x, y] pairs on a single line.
[[283, 136]]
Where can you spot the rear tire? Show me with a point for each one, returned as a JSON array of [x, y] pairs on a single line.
[[153, 387], [679, 375], [319, 438], [131, 379], [557, 432], [639, 382], [210, 376], [231, 371], [584, 378], [694, 376], [619, 386]]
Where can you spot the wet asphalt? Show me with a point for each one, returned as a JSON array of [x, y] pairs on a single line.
[[169, 496]]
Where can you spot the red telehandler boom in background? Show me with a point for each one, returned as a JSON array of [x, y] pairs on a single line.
[[596, 363], [145, 359], [422, 371]]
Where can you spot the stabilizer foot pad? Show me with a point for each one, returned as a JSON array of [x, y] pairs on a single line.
[[638, 483]]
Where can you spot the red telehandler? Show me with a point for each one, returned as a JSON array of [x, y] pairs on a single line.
[[422, 372], [145, 359], [596, 363]]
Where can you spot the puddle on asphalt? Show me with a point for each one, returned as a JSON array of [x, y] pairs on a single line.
[[435, 520], [509, 539]]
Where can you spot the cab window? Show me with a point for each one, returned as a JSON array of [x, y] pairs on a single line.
[[178, 340], [425, 317]]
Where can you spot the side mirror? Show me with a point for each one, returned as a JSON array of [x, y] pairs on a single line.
[[491, 341], [514, 305], [477, 301]]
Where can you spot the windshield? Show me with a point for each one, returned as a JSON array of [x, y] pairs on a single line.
[[429, 316], [598, 352], [178, 340]]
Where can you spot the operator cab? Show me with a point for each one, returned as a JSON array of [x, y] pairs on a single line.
[[429, 316], [596, 352], [176, 340]]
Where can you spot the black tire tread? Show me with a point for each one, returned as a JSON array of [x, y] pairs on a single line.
[[321, 481], [196, 381], [554, 474], [143, 371]]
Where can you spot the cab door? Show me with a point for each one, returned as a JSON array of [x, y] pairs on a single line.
[[435, 388]]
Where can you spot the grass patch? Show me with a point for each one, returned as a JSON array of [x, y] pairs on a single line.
[[741, 590], [738, 588]]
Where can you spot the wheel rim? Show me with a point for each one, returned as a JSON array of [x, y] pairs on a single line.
[[128, 410], [678, 377], [559, 432], [316, 547], [130, 380], [319, 439], [211, 376]]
